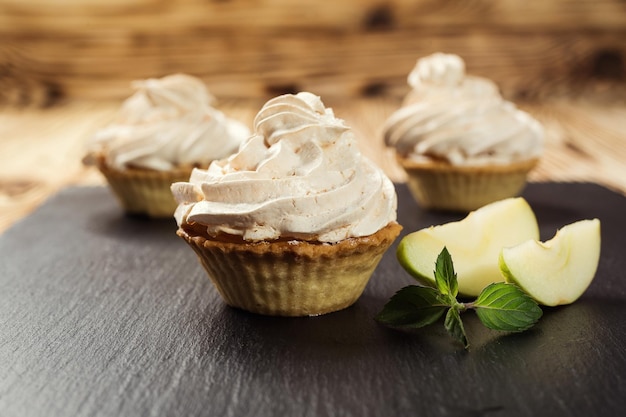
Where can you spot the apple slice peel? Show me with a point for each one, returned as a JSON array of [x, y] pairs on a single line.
[[474, 242], [558, 271]]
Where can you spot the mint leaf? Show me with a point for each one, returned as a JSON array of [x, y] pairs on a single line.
[[445, 277], [454, 326], [506, 307], [500, 306], [413, 307]]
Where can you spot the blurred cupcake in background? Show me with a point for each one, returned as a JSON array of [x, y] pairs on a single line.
[[164, 130], [461, 144]]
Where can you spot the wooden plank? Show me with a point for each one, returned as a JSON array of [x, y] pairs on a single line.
[[330, 64], [438, 16], [93, 50]]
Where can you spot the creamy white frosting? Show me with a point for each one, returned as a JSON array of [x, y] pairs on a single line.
[[166, 123], [301, 176], [460, 119]]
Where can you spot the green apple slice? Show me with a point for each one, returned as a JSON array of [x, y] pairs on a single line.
[[474, 242], [557, 271]]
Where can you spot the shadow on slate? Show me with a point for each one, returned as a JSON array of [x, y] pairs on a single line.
[[107, 315]]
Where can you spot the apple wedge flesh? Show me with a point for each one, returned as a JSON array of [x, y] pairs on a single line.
[[557, 271], [474, 243]]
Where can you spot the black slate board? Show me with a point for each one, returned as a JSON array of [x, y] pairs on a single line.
[[107, 315]]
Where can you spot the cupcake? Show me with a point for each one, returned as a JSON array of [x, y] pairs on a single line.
[[461, 144], [164, 130], [295, 223]]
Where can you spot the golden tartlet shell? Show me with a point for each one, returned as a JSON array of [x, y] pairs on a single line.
[[442, 186], [144, 191], [291, 277]]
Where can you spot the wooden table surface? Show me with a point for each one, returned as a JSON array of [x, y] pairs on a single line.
[[41, 149]]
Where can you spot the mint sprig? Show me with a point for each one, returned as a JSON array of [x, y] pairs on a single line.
[[500, 306], [506, 307], [445, 277], [413, 307]]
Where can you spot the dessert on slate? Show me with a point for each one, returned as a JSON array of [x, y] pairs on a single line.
[[167, 127], [295, 223], [461, 144]]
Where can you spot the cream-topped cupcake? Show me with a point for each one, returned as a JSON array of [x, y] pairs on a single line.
[[296, 221], [167, 127], [462, 144]]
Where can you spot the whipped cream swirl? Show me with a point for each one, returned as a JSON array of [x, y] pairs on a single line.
[[460, 119], [167, 122], [300, 176]]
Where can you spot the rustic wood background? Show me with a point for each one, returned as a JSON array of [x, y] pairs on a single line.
[[242, 48], [65, 65]]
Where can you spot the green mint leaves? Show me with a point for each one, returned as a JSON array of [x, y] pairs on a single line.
[[499, 306], [413, 307], [506, 307], [445, 277]]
